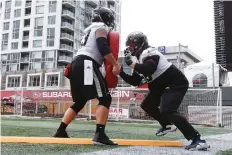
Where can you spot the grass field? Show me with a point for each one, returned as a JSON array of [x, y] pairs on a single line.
[[227, 152], [80, 129]]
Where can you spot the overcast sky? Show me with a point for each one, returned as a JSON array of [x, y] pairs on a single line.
[[169, 22]]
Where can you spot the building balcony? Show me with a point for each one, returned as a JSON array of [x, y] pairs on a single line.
[[67, 37], [69, 3], [93, 3], [68, 14], [25, 60], [65, 47], [64, 59], [68, 26]]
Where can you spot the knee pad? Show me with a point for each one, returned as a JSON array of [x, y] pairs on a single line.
[[105, 101], [78, 105]]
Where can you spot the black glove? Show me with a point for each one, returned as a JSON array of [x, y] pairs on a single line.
[[127, 52], [128, 60]]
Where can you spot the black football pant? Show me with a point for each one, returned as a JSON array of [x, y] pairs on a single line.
[[162, 103]]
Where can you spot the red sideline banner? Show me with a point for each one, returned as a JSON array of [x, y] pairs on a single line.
[[121, 112], [63, 95]]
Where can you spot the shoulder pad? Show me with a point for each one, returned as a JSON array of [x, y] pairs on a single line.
[[146, 53], [97, 25]]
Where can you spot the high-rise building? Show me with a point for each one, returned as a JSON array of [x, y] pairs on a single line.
[[38, 38], [223, 33]]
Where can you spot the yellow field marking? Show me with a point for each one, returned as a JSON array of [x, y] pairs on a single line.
[[88, 141]]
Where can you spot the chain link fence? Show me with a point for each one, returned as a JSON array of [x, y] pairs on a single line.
[[199, 106]]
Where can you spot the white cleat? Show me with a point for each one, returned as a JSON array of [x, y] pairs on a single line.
[[163, 131]]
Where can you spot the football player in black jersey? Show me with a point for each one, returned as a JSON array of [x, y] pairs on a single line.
[[164, 80]]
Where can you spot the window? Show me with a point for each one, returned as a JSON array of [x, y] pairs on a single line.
[[52, 80], [13, 67], [14, 45], [18, 2], [4, 57], [117, 27], [77, 45], [40, 9], [34, 81], [49, 54], [3, 68], [51, 20], [35, 65], [5, 38], [50, 37], [14, 56], [17, 13], [36, 55], [28, 3], [16, 26], [38, 29], [8, 4], [27, 11], [25, 44], [27, 22], [48, 65], [7, 13], [37, 43], [116, 7], [7, 9], [26, 35], [13, 81], [116, 18], [6, 26], [52, 6]]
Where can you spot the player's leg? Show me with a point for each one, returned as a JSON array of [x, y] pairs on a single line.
[[77, 96], [68, 117], [171, 102], [102, 110], [150, 105]]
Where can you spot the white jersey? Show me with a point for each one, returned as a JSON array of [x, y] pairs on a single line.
[[89, 44], [162, 66]]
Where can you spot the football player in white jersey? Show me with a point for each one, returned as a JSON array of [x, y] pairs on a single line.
[[164, 81], [86, 79]]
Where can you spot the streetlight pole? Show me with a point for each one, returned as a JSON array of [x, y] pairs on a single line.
[[179, 61], [179, 45]]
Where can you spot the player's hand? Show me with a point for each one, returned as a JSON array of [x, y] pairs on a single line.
[[116, 69], [127, 52], [128, 60]]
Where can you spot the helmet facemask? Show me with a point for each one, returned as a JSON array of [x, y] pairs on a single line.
[[135, 50]]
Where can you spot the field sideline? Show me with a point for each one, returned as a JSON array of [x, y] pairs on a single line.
[[84, 129]]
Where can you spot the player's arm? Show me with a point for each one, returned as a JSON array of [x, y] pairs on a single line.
[[148, 67], [133, 79], [102, 44]]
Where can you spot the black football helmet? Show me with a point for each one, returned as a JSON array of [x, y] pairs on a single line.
[[105, 15], [136, 42]]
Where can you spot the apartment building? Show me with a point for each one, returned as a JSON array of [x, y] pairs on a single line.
[[38, 38]]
